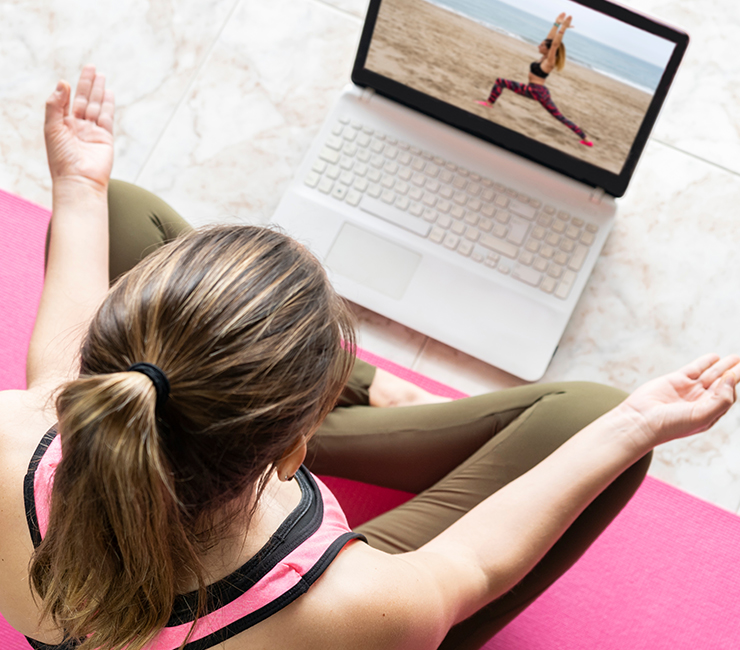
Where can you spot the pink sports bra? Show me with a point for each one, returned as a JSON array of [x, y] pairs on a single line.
[[299, 551]]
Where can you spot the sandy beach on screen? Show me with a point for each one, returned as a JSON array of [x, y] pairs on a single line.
[[457, 60]]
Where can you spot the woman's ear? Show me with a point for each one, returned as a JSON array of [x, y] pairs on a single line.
[[289, 464]]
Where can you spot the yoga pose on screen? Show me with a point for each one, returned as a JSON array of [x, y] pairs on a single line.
[[553, 58]]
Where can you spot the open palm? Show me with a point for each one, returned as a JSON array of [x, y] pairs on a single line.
[[687, 401], [79, 144]]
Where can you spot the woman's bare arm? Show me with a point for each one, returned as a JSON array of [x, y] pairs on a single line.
[[553, 30], [80, 150], [557, 39], [490, 549]]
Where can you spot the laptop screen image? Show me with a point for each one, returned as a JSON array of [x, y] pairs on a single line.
[[481, 65]]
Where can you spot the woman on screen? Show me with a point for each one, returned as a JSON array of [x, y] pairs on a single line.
[[553, 58]]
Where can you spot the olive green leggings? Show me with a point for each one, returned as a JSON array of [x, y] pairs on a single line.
[[452, 455]]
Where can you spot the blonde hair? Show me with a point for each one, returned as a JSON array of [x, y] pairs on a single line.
[[559, 54], [249, 332]]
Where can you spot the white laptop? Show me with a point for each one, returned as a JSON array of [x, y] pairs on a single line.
[[478, 222]]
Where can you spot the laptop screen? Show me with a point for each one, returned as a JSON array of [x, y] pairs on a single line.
[[572, 86]]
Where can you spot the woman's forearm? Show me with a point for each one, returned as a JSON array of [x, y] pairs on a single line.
[[76, 278], [505, 536]]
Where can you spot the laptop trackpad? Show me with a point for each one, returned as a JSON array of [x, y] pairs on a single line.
[[372, 261]]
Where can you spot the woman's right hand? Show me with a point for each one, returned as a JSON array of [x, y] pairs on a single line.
[[79, 146], [561, 18], [684, 402]]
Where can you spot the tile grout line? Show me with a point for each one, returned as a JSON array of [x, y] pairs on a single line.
[[697, 157], [419, 353], [188, 88]]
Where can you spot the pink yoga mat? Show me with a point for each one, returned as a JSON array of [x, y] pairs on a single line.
[[664, 576]]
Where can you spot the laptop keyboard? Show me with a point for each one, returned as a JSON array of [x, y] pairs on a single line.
[[464, 213]]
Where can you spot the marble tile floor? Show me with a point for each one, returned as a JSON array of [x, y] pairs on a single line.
[[218, 100]]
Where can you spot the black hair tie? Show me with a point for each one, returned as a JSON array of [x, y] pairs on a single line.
[[159, 379]]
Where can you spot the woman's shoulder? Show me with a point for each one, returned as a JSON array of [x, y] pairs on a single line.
[[25, 415], [367, 599]]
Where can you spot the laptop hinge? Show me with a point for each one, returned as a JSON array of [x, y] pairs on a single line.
[[597, 195], [367, 94]]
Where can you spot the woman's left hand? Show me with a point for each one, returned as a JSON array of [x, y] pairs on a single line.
[[79, 145], [684, 402]]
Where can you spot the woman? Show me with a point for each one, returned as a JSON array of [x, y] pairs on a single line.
[[553, 58], [168, 504]]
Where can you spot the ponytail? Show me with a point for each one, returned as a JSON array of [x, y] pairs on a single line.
[[560, 57], [107, 568]]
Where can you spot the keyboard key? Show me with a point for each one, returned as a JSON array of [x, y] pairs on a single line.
[[346, 163], [522, 209], [415, 194], [566, 284], [579, 257], [444, 206], [460, 198], [592, 228], [458, 227], [555, 271], [526, 258], [416, 209], [587, 238], [487, 210], [363, 140], [319, 166], [567, 245], [499, 246], [429, 215], [460, 183], [377, 146], [429, 199], [578, 223], [444, 221], [353, 197], [387, 181], [472, 234], [337, 129], [500, 230], [558, 226], [451, 241], [373, 175], [431, 170], [465, 248], [540, 264], [475, 205], [548, 285], [418, 164], [374, 190], [474, 189], [312, 179], [437, 235], [333, 172], [387, 196], [349, 134], [532, 246], [402, 202], [553, 239], [390, 152], [334, 142], [330, 155], [517, 232], [391, 167], [485, 225], [501, 201], [560, 258], [405, 174], [325, 185], [404, 158], [395, 216], [572, 232], [528, 275], [361, 184]]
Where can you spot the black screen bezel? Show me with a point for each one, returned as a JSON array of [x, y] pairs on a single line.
[[614, 184]]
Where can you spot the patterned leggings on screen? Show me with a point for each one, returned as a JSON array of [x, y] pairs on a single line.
[[534, 91]]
